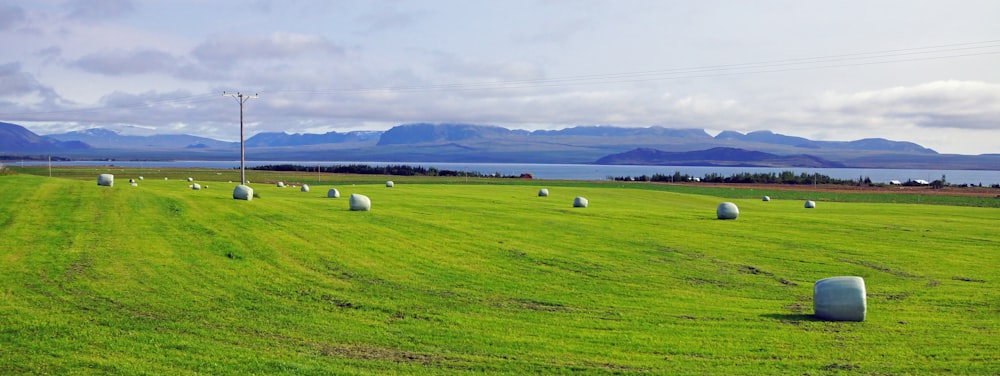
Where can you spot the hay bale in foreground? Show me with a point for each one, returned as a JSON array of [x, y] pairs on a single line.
[[106, 180], [544, 192], [810, 204], [360, 202], [305, 188], [243, 192], [840, 299], [196, 186], [333, 193], [580, 202], [389, 184], [281, 184], [765, 198], [727, 210]]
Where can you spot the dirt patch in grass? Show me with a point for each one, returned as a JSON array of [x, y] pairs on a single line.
[[967, 279], [384, 354]]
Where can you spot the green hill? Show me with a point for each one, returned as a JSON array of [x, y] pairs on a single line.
[[480, 279]]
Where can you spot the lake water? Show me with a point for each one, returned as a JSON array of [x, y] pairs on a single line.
[[588, 172]]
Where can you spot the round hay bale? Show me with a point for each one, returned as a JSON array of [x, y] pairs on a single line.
[[166, 178], [305, 188], [134, 184], [195, 186], [130, 181], [544, 192], [580, 202], [727, 210], [765, 198], [810, 204], [389, 184], [281, 184], [333, 193], [140, 178], [106, 180], [190, 179], [360, 202], [242, 192], [840, 299]]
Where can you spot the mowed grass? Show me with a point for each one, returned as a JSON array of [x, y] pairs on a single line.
[[472, 278]]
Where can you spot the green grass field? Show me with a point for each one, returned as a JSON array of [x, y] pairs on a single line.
[[448, 277]]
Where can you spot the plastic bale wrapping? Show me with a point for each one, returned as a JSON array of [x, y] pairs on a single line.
[[281, 184], [305, 188], [243, 192], [544, 192], [810, 204], [333, 193], [727, 210], [360, 202], [196, 186], [765, 198], [390, 184], [840, 299], [580, 202], [106, 180]]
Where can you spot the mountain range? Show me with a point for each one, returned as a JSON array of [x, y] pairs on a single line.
[[426, 142]]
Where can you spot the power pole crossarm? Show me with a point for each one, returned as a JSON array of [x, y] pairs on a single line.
[[242, 99]]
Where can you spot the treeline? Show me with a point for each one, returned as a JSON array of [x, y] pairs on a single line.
[[784, 177], [396, 170]]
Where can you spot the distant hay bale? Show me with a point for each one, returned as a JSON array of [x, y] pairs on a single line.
[[134, 184], [579, 202], [360, 202], [281, 184], [305, 188], [765, 198], [140, 178], [727, 210], [390, 184], [166, 178], [190, 179], [840, 299], [106, 180], [544, 192], [130, 181], [810, 204], [242, 192], [333, 193], [195, 186]]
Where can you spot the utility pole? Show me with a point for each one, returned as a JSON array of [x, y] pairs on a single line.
[[242, 99]]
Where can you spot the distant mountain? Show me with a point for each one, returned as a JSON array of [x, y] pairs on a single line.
[[17, 139], [610, 131], [424, 133], [721, 156], [108, 139], [875, 144], [275, 139]]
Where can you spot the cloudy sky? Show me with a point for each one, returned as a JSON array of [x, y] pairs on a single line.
[[913, 70]]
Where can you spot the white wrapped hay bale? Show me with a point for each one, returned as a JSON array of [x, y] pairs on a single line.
[[333, 193], [281, 184], [243, 192], [196, 186], [390, 184], [580, 202], [810, 204], [190, 180], [727, 210], [544, 192], [305, 188], [134, 184], [140, 178], [360, 202], [106, 180], [166, 178], [765, 198], [840, 299]]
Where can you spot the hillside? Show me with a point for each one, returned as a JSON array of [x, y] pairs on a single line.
[[714, 157]]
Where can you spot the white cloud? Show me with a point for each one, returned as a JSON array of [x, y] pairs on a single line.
[[227, 50], [938, 104]]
